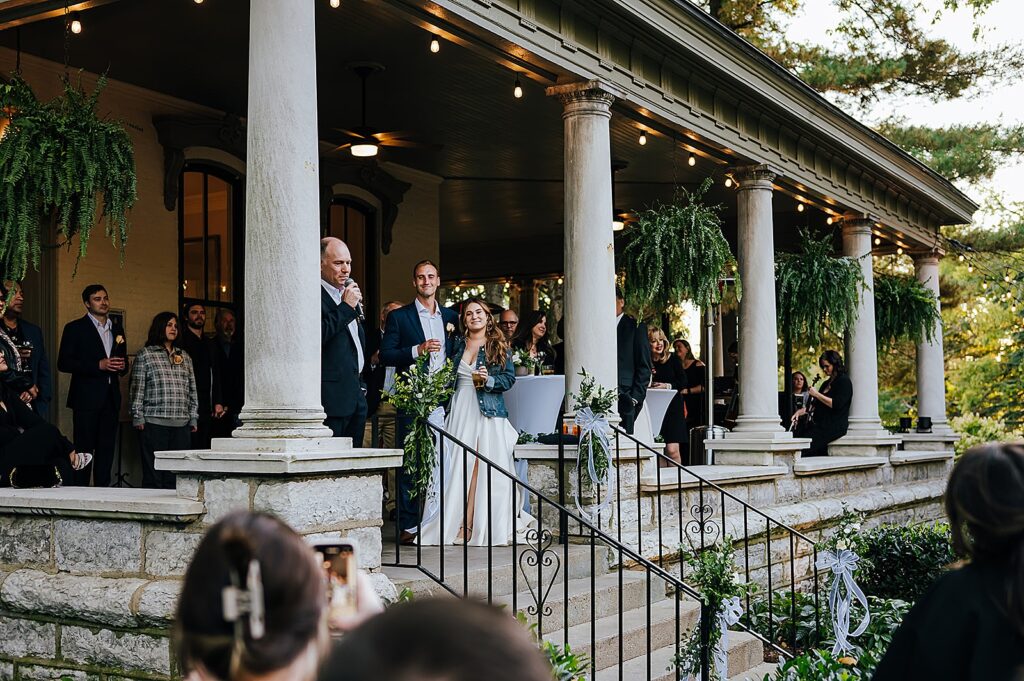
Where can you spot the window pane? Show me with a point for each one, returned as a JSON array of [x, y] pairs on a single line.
[[356, 240], [219, 238], [192, 245]]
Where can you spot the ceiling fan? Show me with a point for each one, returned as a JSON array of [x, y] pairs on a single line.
[[364, 140]]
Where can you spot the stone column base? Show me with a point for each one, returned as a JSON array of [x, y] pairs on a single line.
[[865, 443], [740, 449], [935, 441]]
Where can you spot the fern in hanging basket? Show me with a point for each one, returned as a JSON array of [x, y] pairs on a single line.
[[675, 252], [56, 160], [905, 310], [816, 290]]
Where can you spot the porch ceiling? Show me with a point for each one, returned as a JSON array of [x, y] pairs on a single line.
[[501, 157]]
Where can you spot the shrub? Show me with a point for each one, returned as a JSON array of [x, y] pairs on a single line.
[[903, 561], [784, 630], [977, 430]]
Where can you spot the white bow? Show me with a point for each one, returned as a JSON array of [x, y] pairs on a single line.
[[840, 600]]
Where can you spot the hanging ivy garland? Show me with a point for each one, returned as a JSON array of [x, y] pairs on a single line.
[[905, 310], [816, 290], [56, 159], [675, 251]]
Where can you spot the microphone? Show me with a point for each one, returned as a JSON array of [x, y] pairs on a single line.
[[359, 306]]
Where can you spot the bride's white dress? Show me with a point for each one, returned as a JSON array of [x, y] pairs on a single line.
[[495, 439]]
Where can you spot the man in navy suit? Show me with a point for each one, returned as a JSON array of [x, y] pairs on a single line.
[[343, 343], [22, 332], [94, 352], [422, 326]]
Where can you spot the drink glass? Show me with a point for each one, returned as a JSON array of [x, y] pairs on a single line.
[[478, 380]]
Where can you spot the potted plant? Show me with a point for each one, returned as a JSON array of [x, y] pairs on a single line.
[[60, 165], [905, 310]]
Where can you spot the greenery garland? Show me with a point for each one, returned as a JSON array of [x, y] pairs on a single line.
[[905, 310], [816, 290], [56, 158], [675, 251]]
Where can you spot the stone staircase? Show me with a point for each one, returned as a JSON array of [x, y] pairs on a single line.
[[626, 620]]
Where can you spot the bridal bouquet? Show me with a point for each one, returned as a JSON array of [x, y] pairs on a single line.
[[418, 393]]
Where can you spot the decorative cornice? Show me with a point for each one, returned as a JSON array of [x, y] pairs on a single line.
[[755, 176], [177, 134], [593, 92], [367, 175]]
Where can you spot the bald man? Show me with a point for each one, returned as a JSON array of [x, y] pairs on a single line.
[[343, 343]]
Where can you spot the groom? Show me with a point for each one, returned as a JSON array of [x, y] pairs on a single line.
[[422, 326]]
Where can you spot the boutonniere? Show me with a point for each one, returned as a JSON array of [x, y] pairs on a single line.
[[119, 339], [450, 328], [176, 357]]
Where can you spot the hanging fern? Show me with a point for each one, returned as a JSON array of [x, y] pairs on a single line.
[[905, 310], [816, 290], [56, 159], [674, 252]]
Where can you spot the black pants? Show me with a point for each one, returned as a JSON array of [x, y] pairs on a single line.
[[42, 445], [353, 425], [407, 506], [155, 438], [201, 438], [628, 412], [95, 431]]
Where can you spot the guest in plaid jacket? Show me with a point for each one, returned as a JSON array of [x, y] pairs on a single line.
[[164, 401]]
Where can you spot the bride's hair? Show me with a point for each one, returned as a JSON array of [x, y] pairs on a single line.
[[496, 346]]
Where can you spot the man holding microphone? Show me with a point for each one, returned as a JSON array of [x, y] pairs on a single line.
[[342, 343]]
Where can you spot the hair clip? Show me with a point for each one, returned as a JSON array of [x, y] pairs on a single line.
[[236, 602]]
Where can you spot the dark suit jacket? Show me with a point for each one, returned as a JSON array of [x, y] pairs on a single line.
[[402, 332], [205, 367], [634, 359], [81, 350], [231, 368], [373, 375], [40, 366], [341, 388]]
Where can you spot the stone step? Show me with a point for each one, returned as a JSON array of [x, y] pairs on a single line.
[[605, 598], [758, 673], [657, 622], [745, 654]]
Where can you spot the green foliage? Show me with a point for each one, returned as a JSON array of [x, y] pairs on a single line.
[[817, 665], [977, 430], [601, 401], [816, 290], [903, 561], [784, 629], [847, 534], [417, 393], [905, 309], [565, 664], [971, 152], [56, 159], [674, 252]]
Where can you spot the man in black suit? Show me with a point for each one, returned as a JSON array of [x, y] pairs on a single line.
[[228, 358], [94, 351], [29, 338], [634, 364], [207, 372], [343, 343], [379, 379], [422, 326]]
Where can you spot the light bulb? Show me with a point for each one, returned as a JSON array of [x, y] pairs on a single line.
[[435, 45], [828, 221], [76, 24], [1007, 278], [643, 139], [899, 251], [198, 2], [961, 257], [560, 281], [970, 268], [335, 4], [878, 241], [618, 225], [728, 182], [799, 208], [692, 161], [517, 91], [984, 285]]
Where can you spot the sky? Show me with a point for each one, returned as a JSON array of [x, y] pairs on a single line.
[[1001, 25]]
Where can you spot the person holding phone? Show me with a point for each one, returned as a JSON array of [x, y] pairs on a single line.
[[94, 351]]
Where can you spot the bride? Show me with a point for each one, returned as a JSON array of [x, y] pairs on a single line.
[[477, 418]]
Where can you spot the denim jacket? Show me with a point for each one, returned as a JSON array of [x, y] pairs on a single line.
[[500, 377]]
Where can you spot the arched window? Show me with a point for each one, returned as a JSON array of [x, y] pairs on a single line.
[[210, 215], [354, 222]]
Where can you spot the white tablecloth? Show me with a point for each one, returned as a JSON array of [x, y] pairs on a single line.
[[657, 403], [533, 403]]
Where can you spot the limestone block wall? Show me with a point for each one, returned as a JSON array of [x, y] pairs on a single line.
[[89, 584]]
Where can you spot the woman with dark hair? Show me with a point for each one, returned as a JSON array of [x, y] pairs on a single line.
[[970, 624], [478, 418], [532, 336], [801, 398], [829, 410], [696, 411], [668, 372], [164, 404]]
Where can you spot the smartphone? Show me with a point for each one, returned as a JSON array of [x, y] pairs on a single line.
[[338, 558]]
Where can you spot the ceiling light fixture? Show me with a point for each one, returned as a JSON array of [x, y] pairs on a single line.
[[828, 220], [643, 139], [517, 91], [899, 251], [435, 45], [728, 182], [76, 23], [335, 4], [364, 150], [878, 241], [799, 208], [692, 161], [618, 225]]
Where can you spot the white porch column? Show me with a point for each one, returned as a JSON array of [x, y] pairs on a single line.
[[931, 370], [282, 231], [758, 347], [589, 252]]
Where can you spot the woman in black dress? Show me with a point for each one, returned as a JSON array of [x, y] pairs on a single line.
[[693, 394], [668, 373], [970, 625], [829, 409]]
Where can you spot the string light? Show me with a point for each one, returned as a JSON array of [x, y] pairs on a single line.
[[692, 161], [878, 241], [76, 23], [970, 268], [799, 208], [899, 251], [728, 182], [517, 91], [198, 2], [828, 220], [961, 257], [335, 4], [435, 45], [643, 139]]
